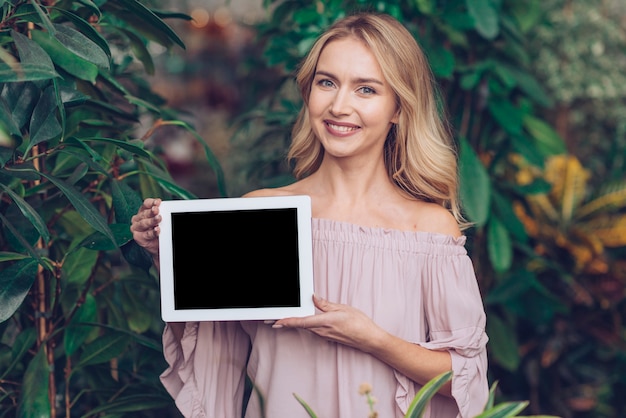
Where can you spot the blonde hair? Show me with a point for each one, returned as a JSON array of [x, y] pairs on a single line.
[[419, 153]]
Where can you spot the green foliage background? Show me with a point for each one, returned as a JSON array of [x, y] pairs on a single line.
[[79, 321]]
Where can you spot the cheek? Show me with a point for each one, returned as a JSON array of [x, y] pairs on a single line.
[[316, 105]]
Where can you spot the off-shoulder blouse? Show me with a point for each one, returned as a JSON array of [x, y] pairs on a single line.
[[418, 286]]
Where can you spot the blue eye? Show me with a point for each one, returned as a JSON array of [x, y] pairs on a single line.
[[325, 83], [367, 90]]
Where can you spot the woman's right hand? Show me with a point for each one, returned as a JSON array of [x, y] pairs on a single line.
[[145, 226]]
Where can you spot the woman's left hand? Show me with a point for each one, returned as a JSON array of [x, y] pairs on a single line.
[[337, 322]]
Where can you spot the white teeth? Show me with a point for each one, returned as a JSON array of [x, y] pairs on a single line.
[[341, 128]]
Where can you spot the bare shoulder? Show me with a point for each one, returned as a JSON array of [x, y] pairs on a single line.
[[289, 190], [436, 219]]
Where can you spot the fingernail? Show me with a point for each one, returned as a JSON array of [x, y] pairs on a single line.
[[277, 326]]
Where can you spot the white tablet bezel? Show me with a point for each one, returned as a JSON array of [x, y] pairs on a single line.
[[301, 203]]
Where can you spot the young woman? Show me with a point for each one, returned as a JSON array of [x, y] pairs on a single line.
[[396, 295]]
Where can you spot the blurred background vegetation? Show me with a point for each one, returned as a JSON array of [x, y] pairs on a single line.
[[536, 92]]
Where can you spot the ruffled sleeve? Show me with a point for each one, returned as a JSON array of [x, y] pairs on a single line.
[[206, 368], [456, 320]]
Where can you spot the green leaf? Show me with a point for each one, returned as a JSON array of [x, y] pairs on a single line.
[[21, 98], [7, 119], [126, 201], [76, 334], [306, 406], [503, 209], [547, 140], [29, 213], [35, 63], [138, 316], [103, 349], [504, 410], [44, 125], [499, 246], [529, 85], [509, 117], [485, 16], [136, 147], [83, 206], [423, 396], [514, 287], [97, 241], [9, 256], [87, 29], [78, 265], [15, 282], [34, 401], [24, 342], [44, 19], [144, 21], [441, 60], [140, 50], [475, 187], [81, 45], [503, 342], [64, 58]]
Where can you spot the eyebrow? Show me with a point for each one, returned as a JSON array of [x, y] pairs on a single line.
[[356, 80]]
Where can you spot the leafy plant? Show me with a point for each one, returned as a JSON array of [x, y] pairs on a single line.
[[418, 405], [79, 317]]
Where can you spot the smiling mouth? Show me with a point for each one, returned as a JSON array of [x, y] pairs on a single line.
[[341, 128]]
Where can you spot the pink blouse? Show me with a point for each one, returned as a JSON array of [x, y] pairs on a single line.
[[418, 286]]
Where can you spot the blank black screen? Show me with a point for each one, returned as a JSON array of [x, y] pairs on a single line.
[[236, 259]]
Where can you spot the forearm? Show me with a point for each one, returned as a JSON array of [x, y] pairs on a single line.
[[415, 362]]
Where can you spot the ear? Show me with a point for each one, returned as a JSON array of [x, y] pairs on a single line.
[[396, 117]]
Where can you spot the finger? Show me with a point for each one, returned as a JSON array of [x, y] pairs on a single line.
[[321, 303]]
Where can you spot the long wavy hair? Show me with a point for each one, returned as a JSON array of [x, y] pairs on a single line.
[[420, 156]]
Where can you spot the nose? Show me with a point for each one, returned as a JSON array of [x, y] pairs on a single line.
[[341, 104]]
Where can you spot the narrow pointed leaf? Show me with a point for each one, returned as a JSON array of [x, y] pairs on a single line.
[[508, 116], [546, 138], [83, 206], [78, 265], [98, 242], [306, 406], [44, 125], [140, 50], [76, 334], [34, 401], [29, 213], [64, 58], [35, 63], [44, 19], [81, 45], [475, 185], [88, 30], [424, 395], [504, 410], [10, 256], [23, 343], [499, 246], [15, 282], [503, 339], [133, 146], [103, 349], [145, 21], [6, 118]]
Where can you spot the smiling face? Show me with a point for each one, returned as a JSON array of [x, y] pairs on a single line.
[[351, 106]]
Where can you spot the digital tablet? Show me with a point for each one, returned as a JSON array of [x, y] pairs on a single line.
[[229, 259]]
